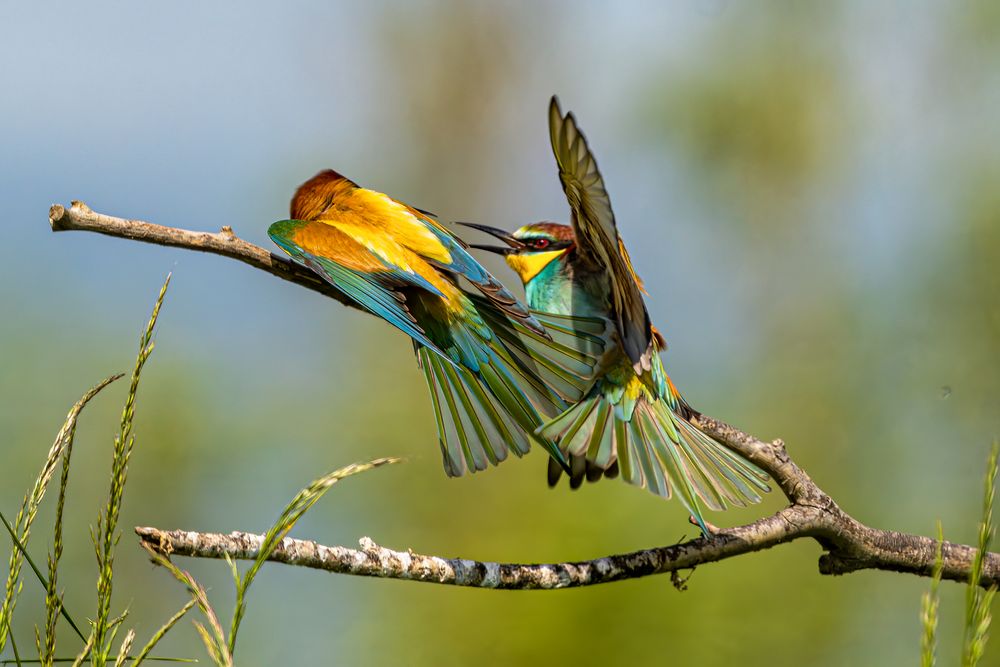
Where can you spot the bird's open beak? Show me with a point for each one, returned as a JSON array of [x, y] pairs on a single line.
[[513, 245]]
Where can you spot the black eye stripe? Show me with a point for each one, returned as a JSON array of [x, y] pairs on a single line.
[[544, 243]]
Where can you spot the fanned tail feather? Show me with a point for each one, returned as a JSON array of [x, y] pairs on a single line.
[[655, 449], [564, 360], [523, 380], [474, 427]]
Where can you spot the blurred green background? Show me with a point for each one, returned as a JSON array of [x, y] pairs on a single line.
[[810, 193]]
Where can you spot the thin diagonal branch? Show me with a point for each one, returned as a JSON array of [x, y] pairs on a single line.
[[848, 544], [79, 217]]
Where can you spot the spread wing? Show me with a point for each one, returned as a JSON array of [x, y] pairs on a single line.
[[597, 240], [402, 238], [353, 268]]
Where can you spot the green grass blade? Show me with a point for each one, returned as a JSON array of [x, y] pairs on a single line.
[[107, 534], [125, 649], [929, 607], [19, 547], [215, 642], [977, 601], [85, 651], [299, 505], [53, 601], [164, 629], [13, 646], [214, 652], [21, 530]]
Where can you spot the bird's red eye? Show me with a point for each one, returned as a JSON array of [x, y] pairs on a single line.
[[541, 243]]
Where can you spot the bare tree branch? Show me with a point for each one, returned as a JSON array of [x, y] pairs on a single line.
[[848, 544], [79, 217], [871, 549]]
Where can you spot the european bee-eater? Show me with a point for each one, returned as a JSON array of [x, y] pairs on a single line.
[[633, 420], [496, 372]]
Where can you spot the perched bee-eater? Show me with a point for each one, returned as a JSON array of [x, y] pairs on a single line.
[[496, 371], [632, 421]]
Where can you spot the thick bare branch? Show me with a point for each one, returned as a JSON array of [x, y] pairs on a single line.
[[861, 548], [848, 544], [372, 560]]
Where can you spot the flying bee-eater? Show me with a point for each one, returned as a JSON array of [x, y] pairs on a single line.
[[632, 421], [496, 372]]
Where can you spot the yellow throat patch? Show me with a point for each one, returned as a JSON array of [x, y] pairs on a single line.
[[529, 265]]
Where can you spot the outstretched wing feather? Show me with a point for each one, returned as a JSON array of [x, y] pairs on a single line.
[[596, 233]]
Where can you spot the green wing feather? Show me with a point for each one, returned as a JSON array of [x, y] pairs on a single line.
[[565, 362], [493, 378], [596, 234], [482, 417], [475, 430]]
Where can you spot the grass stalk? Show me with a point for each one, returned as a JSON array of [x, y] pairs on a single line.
[[107, 526], [20, 531], [299, 505], [215, 641], [158, 635], [977, 600], [53, 599], [929, 608]]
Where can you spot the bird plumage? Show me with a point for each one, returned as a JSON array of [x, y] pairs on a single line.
[[487, 360], [632, 421], [599, 247]]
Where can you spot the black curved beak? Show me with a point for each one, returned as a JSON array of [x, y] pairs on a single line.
[[513, 245]]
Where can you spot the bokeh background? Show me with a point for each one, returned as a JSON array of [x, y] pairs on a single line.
[[812, 195]]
